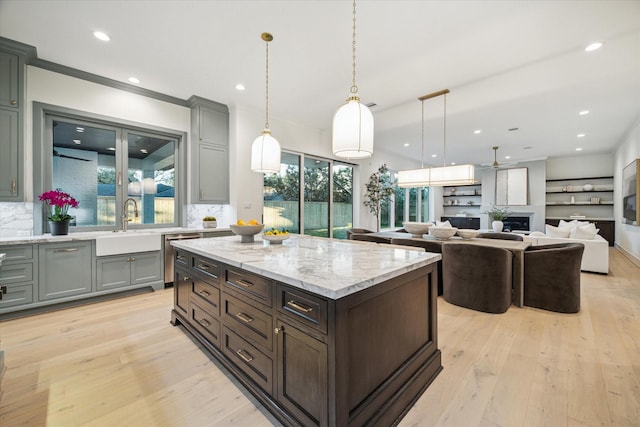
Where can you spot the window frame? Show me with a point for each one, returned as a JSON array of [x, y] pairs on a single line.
[[43, 154]]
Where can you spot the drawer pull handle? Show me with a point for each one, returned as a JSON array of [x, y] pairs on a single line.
[[245, 318], [248, 358], [204, 322], [300, 307], [181, 257], [245, 283], [203, 267], [203, 292], [66, 250]]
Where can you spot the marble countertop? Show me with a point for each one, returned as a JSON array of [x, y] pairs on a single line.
[[327, 267], [92, 235]]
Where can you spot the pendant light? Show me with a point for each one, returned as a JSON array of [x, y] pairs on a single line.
[[265, 151], [353, 122], [438, 176]]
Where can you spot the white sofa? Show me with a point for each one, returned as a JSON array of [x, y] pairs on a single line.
[[596, 252]]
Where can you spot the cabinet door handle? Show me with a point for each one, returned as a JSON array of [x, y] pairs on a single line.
[[244, 317], [245, 283], [203, 267], [248, 358], [203, 292], [131, 259], [3, 289], [14, 185], [14, 102], [185, 278], [119, 179], [66, 250], [299, 306], [181, 257], [204, 322], [278, 330]]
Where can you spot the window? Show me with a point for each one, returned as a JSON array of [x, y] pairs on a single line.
[[102, 163], [406, 204], [326, 188]]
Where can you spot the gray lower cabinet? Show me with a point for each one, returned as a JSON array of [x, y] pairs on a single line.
[[65, 269], [128, 270], [18, 273]]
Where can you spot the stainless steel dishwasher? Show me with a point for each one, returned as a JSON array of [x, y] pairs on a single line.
[[168, 253]]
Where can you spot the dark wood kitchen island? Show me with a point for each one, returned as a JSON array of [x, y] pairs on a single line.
[[323, 332]]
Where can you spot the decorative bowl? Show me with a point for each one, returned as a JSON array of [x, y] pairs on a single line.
[[467, 233], [587, 187], [275, 238], [417, 229], [246, 232], [442, 233]]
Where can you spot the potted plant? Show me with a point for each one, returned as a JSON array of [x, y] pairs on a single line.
[[209, 222], [496, 215], [378, 188], [59, 217]]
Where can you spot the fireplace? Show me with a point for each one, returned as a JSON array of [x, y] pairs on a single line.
[[513, 223]]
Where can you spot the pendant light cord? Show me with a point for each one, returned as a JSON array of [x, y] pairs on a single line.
[[266, 124], [422, 139], [354, 88], [445, 131]]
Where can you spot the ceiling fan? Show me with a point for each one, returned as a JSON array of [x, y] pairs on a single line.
[[56, 154], [495, 164]]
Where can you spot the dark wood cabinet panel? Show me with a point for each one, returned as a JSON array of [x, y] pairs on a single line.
[[251, 323], [182, 291], [257, 365], [248, 284], [462, 221], [207, 324]]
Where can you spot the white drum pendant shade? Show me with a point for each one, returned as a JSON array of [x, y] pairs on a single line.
[[353, 131], [265, 153]]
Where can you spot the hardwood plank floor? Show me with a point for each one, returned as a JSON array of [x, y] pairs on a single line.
[[120, 363]]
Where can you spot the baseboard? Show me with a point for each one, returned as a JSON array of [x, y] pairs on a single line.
[[629, 255]]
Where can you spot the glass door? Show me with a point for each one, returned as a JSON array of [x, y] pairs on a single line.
[[282, 196], [316, 197], [342, 217]]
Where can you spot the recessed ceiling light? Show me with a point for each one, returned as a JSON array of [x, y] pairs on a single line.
[[593, 46], [101, 36], [579, 149], [79, 129], [580, 135], [507, 157], [477, 131], [453, 163], [111, 148], [143, 151], [134, 80], [434, 155], [240, 86], [406, 144], [583, 112], [77, 141]]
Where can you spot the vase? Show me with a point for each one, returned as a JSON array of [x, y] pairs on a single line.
[[210, 224], [59, 228], [497, 226]]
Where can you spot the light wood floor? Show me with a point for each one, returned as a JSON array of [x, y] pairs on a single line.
[[120, 363]]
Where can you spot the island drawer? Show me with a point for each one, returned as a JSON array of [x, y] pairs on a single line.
[[258, 366], [210, 269], [181, 258], [207, 292], [205, 323], [309, 309], [251, 323], [255, 287]]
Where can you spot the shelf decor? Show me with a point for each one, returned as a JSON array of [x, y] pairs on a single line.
[[630, 191]]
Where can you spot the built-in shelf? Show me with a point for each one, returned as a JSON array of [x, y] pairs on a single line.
[[581, 191], [606, 203]]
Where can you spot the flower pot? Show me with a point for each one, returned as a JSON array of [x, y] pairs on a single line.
[[209, 224], [59, 228], [497, 226]]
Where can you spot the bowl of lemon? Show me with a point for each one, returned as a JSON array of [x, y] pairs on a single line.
[[246, 230], [275, 236]]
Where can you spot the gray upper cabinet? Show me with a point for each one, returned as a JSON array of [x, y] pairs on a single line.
[[210, 151], [65, 270], [11, 123]]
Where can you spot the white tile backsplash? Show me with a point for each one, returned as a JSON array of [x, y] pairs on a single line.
[[16, 219]]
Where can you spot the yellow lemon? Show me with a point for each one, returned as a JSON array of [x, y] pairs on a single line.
[[253, 222], [241, 222]]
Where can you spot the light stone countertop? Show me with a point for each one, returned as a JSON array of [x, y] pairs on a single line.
[[327, 267], [92, 235]]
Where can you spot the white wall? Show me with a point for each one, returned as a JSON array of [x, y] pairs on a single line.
[[580, 166], [627, 236]]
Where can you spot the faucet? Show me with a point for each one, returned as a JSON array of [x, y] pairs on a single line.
[[125, 213]]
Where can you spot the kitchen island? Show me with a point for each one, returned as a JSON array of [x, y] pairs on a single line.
[[323, 332]]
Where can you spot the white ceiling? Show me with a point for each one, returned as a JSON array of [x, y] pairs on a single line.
[[507, 64]]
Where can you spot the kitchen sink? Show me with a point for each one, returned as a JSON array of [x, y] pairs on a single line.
[[124, 243]]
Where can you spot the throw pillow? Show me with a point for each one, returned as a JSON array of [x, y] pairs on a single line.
[[443, 224], [536, 234], [585, 232], [567, 224], [552, 231]]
